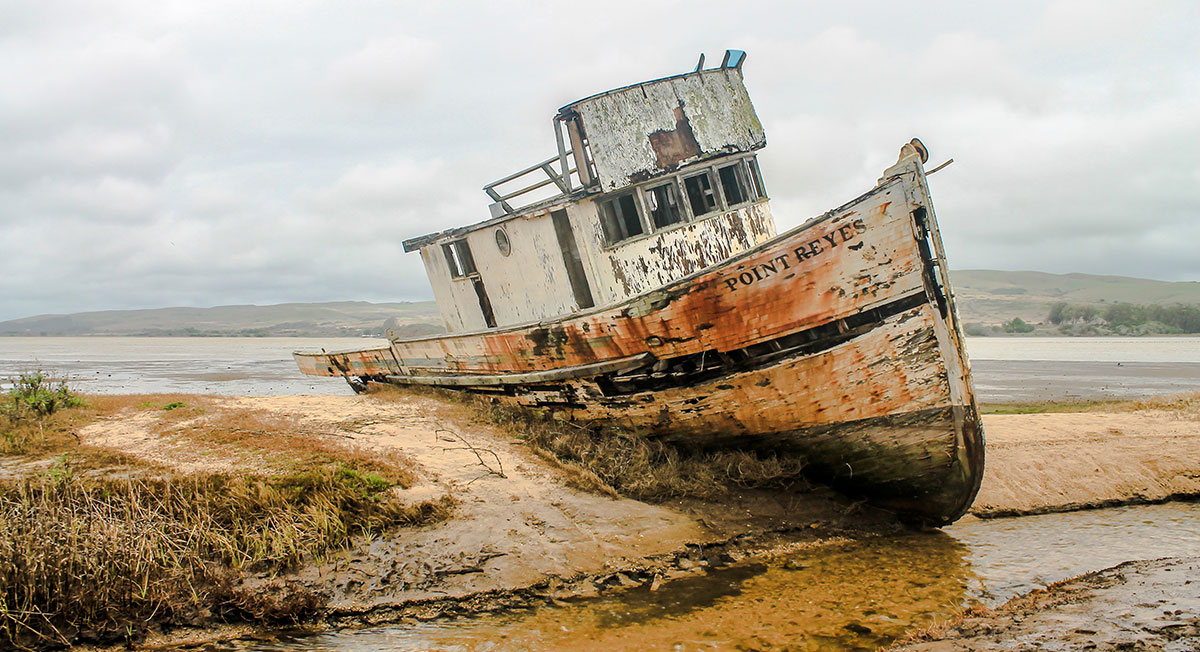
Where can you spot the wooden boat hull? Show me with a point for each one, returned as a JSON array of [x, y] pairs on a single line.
[[836, 341]]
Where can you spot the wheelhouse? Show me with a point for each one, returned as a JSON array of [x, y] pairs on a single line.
[[652, 182]]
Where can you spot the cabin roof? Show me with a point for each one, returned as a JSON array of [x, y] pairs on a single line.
[[733, 61], [612, 91]]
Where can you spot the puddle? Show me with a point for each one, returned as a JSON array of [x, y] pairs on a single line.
[[851, 596]]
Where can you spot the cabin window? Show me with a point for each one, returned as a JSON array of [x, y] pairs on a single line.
[[621, 218], [733, 183], [662, 203], [700, 193], [458, 258], [756, 178], [502, 242]]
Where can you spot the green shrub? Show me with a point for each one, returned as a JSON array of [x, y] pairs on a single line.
[[37, 393], [1017, 325], [976, 330], [29, 412]]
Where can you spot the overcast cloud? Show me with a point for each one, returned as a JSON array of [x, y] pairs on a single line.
[[206, 153]]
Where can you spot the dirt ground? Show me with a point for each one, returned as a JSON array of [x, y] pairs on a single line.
[[1139, 605], [517, 526], [521, 535], [1040, 463]]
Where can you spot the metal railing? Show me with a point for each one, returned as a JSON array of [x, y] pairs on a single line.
[[561, 177], [563, 181]]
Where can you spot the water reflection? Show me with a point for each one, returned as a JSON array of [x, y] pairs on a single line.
[[1014, 555], [851, 596]]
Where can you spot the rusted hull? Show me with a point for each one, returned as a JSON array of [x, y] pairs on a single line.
[[837, 341]]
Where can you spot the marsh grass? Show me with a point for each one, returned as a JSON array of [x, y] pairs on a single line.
[[1185, 404], [649, 469], [614, 460], [101, 545], [84, 560]]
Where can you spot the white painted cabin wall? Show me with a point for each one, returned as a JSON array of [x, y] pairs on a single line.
[[531, 283], [649, 262]]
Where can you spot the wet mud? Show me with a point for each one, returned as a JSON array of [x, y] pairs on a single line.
[[524, 544], [1137, 605]]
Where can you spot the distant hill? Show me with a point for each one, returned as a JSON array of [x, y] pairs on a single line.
[[337, 319], [984, 297], [993, 297]]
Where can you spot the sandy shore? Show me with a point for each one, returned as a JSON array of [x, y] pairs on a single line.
[[522, 535], [519, 529], [1039, 463]]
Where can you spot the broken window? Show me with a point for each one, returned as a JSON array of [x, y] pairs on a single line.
[[733, 183], [663, 205], [756, 178], [700, 193], [620, 218], [458, 258]]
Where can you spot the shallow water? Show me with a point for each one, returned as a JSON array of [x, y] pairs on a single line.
[[851, 596], [1086, 349], [1014, 369], [237, 366], [1005, 369]]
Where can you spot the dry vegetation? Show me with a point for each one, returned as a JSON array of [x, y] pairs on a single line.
[[97, 545], [613, 460], [1186, 405]]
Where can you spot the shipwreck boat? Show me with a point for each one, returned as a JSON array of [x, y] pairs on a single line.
[[650, 289]]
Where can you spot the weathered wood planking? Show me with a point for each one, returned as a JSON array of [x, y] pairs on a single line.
[[367, 362]]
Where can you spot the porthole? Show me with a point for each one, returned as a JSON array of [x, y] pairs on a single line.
[[502, 242]]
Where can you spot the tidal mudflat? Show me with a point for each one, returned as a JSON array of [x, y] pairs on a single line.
[[497, 543], [542, 542]]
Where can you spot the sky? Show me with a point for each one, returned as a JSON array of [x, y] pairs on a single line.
[[162, 153]]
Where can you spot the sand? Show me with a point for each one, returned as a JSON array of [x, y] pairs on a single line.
[[520, 534], [1039, 463], [516, 523]]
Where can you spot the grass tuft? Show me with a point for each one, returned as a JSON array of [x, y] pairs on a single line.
[[99, 545], [102, 560]]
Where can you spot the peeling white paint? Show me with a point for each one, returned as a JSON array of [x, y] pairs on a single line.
[[618, 123]]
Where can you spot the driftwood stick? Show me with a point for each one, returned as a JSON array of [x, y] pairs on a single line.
[[478, 453]]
